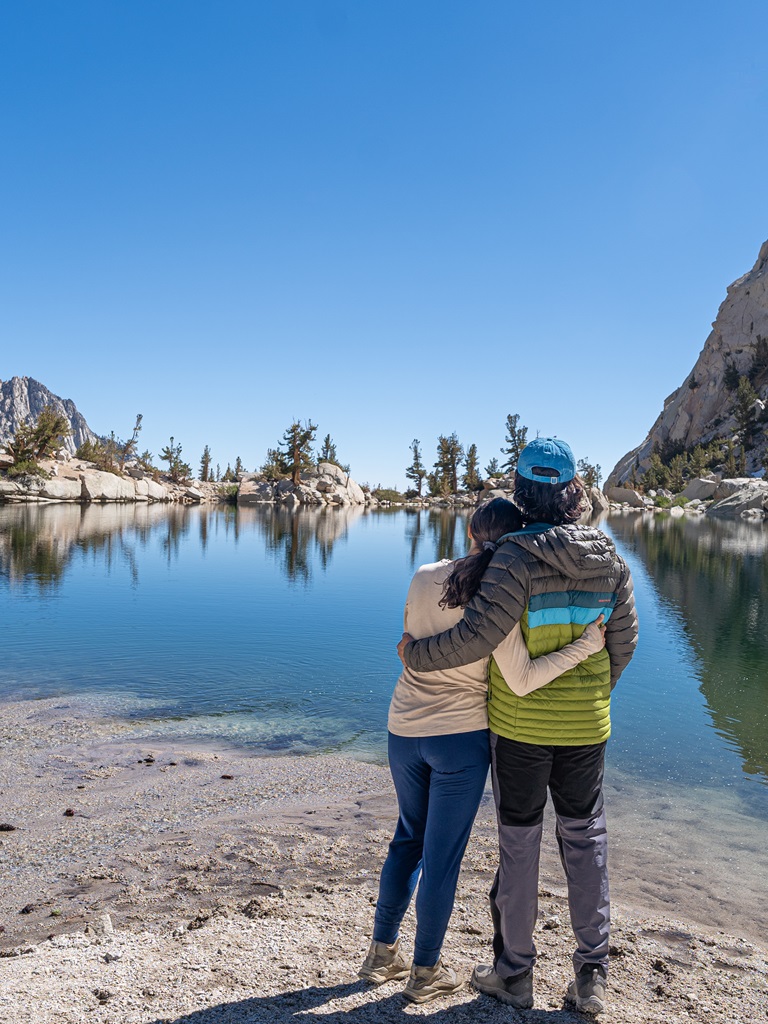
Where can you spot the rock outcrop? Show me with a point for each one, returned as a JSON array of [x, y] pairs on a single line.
[[702, 408], [325, 484], [22, 399]]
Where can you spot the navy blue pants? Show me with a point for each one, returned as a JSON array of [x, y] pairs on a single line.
[[439, 781]]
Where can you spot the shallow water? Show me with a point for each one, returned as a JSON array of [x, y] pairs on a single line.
[[277, 630]]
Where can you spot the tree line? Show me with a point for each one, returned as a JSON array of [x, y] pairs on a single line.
[[457, 468]]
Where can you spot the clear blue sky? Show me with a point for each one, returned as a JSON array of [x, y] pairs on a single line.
[[399, 219]]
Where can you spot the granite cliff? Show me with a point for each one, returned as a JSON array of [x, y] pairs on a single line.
[[703, 408], [22, 399]]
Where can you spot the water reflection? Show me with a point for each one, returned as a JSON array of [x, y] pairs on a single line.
[[715, 575], [302, 538], [38, 542], [445, 528]]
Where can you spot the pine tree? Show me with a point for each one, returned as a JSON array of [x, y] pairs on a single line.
[[591, 475], [516, 439], [677, 469], [699, 462], [493, 469], [127, 449], [449, 455], [229, 476], [205, 465], [657, 474], [471, 478], [416, 471], [746, 396], [218, 472], [297, 448], [178, 470], [274, 465], [731, 376], [39, 440], [239, 467], [730, 458], [328, 451]]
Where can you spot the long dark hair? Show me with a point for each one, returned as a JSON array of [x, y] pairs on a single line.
[[489, 522], [550, 503]]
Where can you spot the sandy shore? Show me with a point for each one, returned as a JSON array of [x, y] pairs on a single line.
[[145, 882]]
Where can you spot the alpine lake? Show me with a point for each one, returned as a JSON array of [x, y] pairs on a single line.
[[275, 631]]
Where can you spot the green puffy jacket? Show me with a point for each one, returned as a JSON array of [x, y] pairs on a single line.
[[553, 583]]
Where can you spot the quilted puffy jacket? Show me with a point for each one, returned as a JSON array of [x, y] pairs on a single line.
[[553, 582]]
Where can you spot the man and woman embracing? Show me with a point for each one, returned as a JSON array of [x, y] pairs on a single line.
[[510, 656]]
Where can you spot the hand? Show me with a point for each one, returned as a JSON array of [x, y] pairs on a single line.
[[600, 623], [406, 639]]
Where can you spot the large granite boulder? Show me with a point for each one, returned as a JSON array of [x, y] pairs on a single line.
[[700, 489], [625, 496], [753, 496], [61, 489], [100, 486], [731, 485], [254, 490], [597, 499]]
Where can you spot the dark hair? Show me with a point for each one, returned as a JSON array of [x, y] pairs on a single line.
[[550, 503], [489, 522]]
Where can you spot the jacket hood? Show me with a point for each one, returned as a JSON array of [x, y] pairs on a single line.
[[575, 551]]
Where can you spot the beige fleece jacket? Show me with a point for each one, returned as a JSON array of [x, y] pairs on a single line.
[[454, 700]]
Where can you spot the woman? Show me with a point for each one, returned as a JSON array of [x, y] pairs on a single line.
[[439, 758]]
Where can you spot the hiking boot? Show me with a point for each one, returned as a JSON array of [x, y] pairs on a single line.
[[384, 963], [516, 991], [427, 983], [587, 990]]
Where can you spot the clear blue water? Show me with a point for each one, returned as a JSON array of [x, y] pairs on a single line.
[[277, 630]]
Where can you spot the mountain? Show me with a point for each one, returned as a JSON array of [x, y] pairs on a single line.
[[703, 407], [21, 401]]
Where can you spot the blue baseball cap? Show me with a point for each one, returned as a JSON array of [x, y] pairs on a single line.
[[547, 460]]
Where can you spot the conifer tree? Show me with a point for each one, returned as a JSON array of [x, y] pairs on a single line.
[[493, 469], [471, 478], [297, 448], [591, 475], [516, 439], [205, 465], [328, 451], [677, 469], [746, 396], [239, 468], [127, 449], [449, 455], [177, 469], [699, 462], [416, 471]]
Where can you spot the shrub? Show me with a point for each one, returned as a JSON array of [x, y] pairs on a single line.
[[662, 502], [388, 494]]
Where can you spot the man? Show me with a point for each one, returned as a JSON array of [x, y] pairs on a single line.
[[553, 578]]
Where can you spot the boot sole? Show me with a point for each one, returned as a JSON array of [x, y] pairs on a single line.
[[592, 1005], [377, 978], [504, 997], [426, 997]]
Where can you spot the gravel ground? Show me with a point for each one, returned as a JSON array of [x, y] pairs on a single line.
[[148, 883]]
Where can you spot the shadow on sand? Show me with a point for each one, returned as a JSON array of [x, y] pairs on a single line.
[[300, 1005]]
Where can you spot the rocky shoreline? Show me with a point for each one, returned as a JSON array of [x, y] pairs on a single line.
[[155, 882]]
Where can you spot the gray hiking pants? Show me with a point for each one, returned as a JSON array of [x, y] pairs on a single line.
[[521, 774]]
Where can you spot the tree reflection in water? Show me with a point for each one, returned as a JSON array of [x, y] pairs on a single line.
[[715, 574]]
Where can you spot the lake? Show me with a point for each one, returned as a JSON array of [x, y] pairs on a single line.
[[276, 630]]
